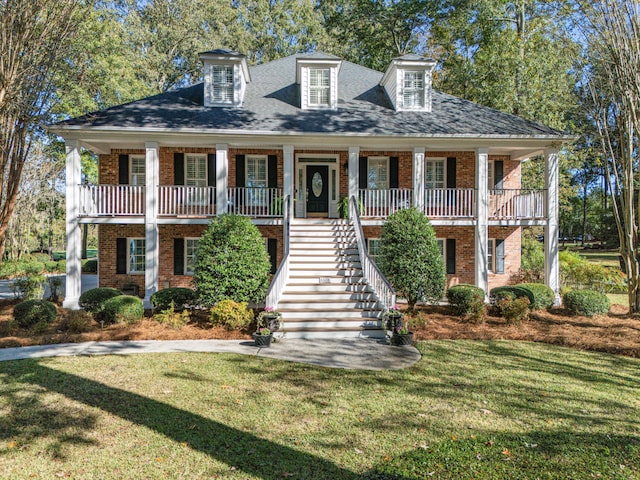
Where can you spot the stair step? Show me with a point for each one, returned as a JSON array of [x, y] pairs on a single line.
[[316, 323], [314, 314], [327, 287], [326, 296], [334, 333], [313, 257]]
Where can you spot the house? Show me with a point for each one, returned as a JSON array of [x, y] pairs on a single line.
[[284, 142]]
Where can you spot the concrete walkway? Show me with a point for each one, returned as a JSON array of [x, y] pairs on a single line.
[[88, 282], [352, 354]]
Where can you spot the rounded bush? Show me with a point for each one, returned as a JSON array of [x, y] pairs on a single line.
[[33, 312], [514, 310], [93, 300], [231, 315], [543, 295], [462, 297], [34, 268], [122, 309], [181, 298], [90, 266], [586, 302], [62, 266], [511, 292], [50, 266]]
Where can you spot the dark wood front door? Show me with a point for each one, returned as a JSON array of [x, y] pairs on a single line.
[[318, 190]]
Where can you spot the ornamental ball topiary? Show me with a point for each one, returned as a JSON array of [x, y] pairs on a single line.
[[231, 315], [122, 309], [586, 302], [181, 297], [467, 301], [543, 296], [232, 262], [92, 300], [410, 258], [33, 312]]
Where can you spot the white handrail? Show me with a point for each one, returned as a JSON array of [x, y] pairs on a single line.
[[184, 200], [111, 200], [256, 201], [281, 276], [449, 202], [515, 204], [372, 274]]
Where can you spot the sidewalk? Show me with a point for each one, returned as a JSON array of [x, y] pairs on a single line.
[[89, 281], [351, 354]]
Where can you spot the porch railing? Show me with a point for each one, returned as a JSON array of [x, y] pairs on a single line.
[[256, 202], [111, 200], [372, 274], [281, 276], [449, 202], [382, 203], [513, 204], [188, 201]]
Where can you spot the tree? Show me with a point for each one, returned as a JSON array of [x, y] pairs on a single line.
[[410, 258], [34, 41], [232, 262]]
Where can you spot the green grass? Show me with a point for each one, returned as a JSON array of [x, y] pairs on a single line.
[[607, 258], [482, 410], [619, 298]]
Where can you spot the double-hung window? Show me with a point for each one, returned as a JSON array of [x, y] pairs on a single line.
[[190, 251], [378, 173], [413, 89], [196, 176], [491, 255], [319, 87], [137, 169], [257, 179], [222, 84], [491, 176], [373, 246], [435, 173], [136, 255]]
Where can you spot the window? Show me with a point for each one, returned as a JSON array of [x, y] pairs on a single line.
[[195, 170], [319, 87], [491, 175], [190, 250], [136, 255], [435, 173], [137, 169], [373, 246], [442, 245], [222, 84], [378, 177], [491, 254], [413, 89], [256, 179]]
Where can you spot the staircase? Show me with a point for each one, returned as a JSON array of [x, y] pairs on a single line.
[[325, 295]]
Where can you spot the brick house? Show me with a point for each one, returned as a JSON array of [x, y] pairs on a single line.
[[284, 143]]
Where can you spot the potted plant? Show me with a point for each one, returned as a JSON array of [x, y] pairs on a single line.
[[392, 318], [401, 335], [262, 337], [269, 318]]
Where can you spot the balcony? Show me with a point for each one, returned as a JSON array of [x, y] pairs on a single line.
[[186, 201], [256, 202], [382, 203], [449, 203], [111, 200], [517, 204]]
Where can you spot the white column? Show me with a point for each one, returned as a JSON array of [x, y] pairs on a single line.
[[482, 224], [222, 181], [288, 175], [74, 240], [552, 227], [354, 171], [152, 241], [418, 178]]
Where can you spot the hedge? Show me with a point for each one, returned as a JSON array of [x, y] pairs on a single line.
[[33, 312], [93, 300], [122, 309], [511, 291], [181, 298], [586, 302], [543, 295], [463, 298]]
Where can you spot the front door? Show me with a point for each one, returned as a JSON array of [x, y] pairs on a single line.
[[318, 190]]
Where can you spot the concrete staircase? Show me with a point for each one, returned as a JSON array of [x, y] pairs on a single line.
[[325, 295]]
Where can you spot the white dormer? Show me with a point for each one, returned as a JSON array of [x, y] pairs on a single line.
[[317, 75], [407, 82], [225, 78]]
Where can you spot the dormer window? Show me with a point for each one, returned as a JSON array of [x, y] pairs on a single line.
[[319, 87], [407, 82], [222, 84], [225, 78], [413, 90], [317, 75]]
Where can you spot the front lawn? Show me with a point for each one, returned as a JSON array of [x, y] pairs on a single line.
[[468, 409]]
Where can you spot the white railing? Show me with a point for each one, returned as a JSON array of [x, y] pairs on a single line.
[[382, 203], [188, 201], [372, 274], [281, 276], [514, 204], [256, 202], [449, 202], [111, 200]]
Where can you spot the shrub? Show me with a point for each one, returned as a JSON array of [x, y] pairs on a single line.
[[231, 315], [34, 268], [181, 298], [577, 272], [8, 327], [90, 266], [28, 288], [30, 313], [51, 266], [514, 310], [93, 300], [543, 296], [510, 291], [586, 302], [37, 257], [122, 309], [232, 262], [172, 318], [467, 301], [55, 288], [62, 266], [76, 321], [410, 258]]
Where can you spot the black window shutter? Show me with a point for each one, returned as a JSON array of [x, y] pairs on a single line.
[[272, 171], [123, 169], [178, 168], [498, 166], [240, 171], [393, 172], [363, 172], [211, 169], [451, 255], [499, 256], [121, 255], [451, 172], [272, 248], [178, 256]]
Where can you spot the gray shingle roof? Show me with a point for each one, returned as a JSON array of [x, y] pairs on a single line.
[[272, 105]]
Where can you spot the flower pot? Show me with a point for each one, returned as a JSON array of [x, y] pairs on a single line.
[[262, 340], [272, 322], [402, 339], [393, 321]]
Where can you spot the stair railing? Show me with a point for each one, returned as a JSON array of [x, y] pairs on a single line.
[[281, 276], [372, 274]]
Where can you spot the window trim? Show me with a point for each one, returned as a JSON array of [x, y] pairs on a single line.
[[137, 156], [319, 88], [420, 74], [442, 160], [144, 255], [186, 255], [199, 156], [219, 86], [387, 167]]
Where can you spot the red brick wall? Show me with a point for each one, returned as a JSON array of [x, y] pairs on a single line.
[[107, 235]]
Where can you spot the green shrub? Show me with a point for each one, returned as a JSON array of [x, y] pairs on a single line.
[[586, 302], [231, 315], [410, 258], [514, 310], [122, 309], [577, 272], [510, 291], [8, 328], [40, 257], [28, 288], [93, 300], [172, 318], [34, 268], [467, 301], [232, 262], [51, 266], [181, 298], [90, 266], [62, 266], [76, 321], [542, 294], [30, 313], [55, 287], [8, 269]]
